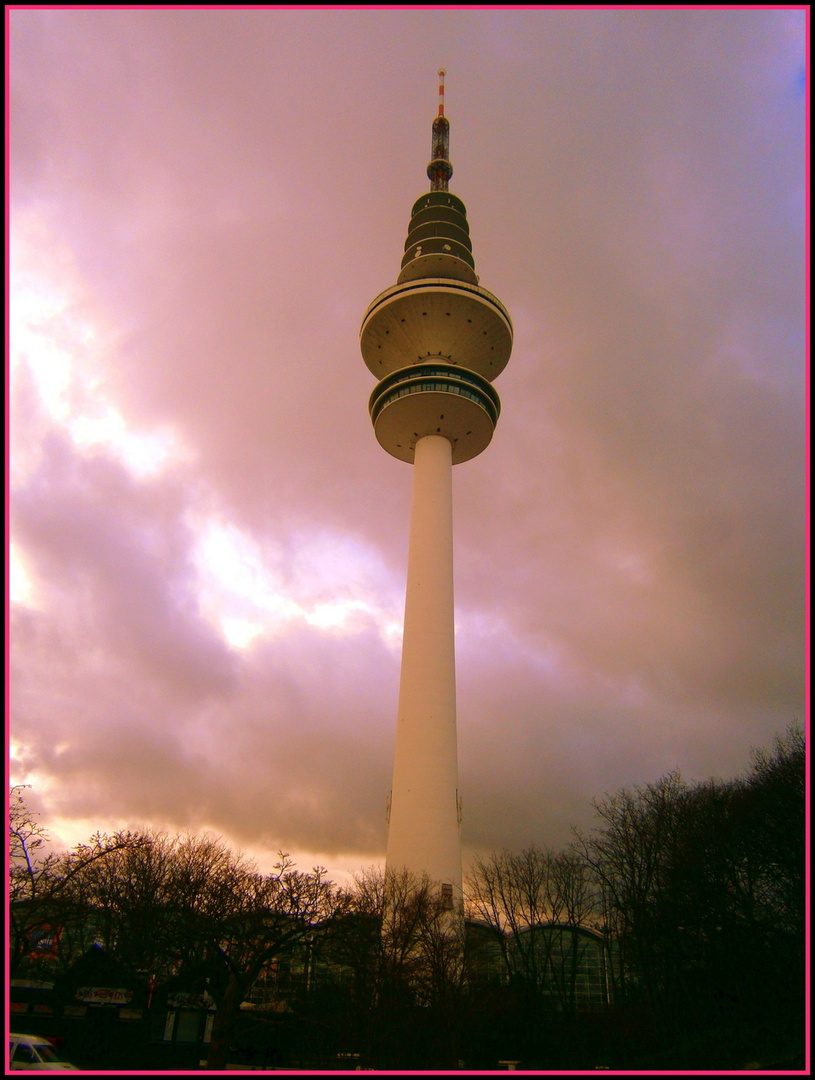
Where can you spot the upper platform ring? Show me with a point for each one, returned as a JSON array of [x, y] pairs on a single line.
[[436, 317]]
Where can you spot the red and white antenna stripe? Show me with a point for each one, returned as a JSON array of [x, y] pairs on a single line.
[[441, 91]]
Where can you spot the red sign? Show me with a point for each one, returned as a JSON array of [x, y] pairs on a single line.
[[44, 941]]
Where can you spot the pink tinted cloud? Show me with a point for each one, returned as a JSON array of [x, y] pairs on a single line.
[[233, 189]]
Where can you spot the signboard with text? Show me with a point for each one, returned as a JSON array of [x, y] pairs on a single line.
[[103, 995]]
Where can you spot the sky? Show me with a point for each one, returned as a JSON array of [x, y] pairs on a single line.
[[208, 547]]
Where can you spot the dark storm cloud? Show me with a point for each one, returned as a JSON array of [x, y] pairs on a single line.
[[118, 550], [233, 189], [126, 684]]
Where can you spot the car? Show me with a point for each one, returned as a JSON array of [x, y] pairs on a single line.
[[34, 1052]]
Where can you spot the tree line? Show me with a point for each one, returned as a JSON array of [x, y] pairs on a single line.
[[670, 935]]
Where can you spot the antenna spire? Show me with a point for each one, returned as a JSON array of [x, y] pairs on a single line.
[[440, 168]]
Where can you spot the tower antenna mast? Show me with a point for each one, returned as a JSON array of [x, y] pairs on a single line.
[[440, 168]]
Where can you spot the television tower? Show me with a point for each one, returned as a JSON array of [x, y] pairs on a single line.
[[435, 340]]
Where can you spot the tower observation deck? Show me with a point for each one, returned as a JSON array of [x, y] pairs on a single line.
[[435, 341]]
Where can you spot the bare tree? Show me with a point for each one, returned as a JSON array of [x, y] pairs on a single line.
[[405, 950], [537, 902], [225, 922], [185, 906], [777, 782], [702, 888], [631, 853], [42, 883], [243, 920]]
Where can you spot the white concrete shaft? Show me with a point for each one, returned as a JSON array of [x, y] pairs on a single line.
[[424, 833]]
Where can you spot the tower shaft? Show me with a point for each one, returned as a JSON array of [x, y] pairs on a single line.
[[424, 830]]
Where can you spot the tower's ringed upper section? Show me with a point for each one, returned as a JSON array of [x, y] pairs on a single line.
[[436, 317], [434, 398]]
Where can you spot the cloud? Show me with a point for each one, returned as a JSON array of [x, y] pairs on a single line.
[[203, 204]]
